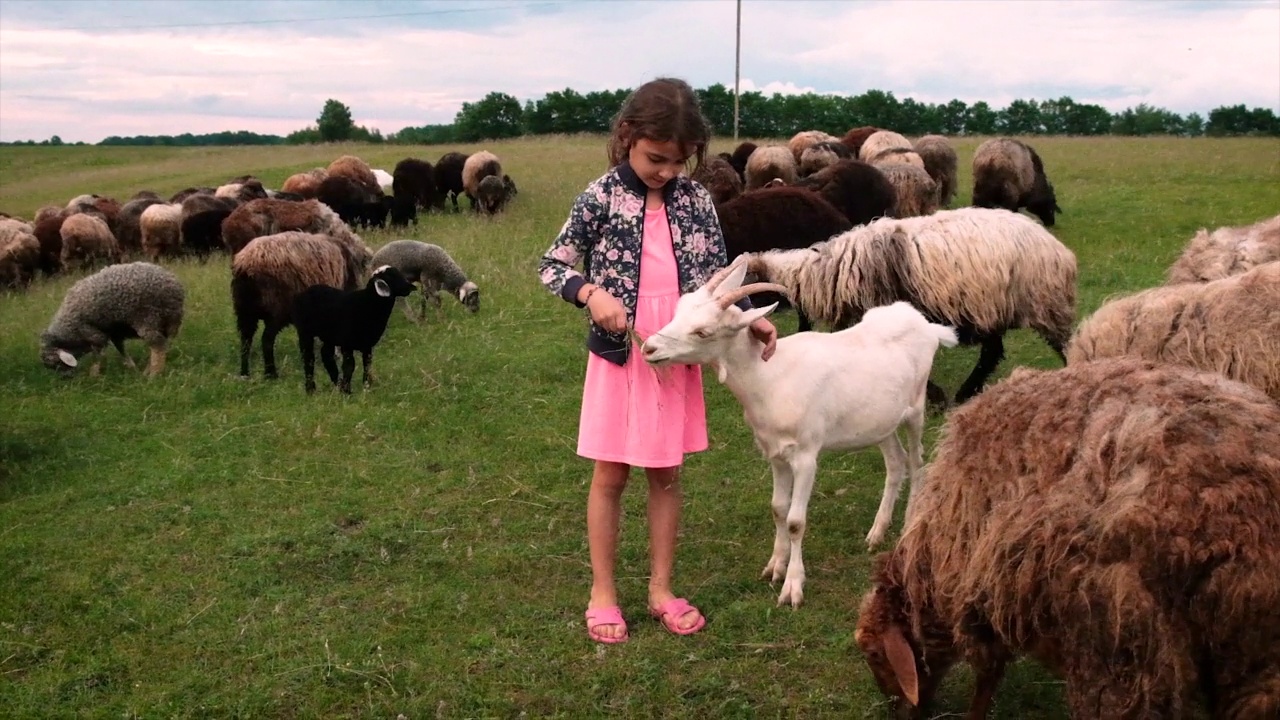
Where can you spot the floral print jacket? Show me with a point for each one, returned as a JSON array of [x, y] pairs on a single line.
[[604, 233]]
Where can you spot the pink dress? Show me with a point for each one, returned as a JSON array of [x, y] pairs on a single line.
[[634, 413]]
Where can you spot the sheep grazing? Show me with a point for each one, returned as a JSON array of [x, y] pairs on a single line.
[[47, 228], [268, 217], [185, 193], [1116, 521], [347, 198], [1009, 174], [1229, 326], [856, 137], [353, 320], [739, 157], [719, 178], [769, 163], [433, 268], [129, 222], [449, 177], [384, 178], [854, 188], [1227, 251], [202, 218], [482, 182], [162, 231], [19, 253], [243, 191], [940, 162], [86, 240], [133, 300], [352, 167], [880, 142], [806, 139], [306, 184], [775, 219], [915, 193], [271, 271], [981, 271], [415, 180], [898, 156], [822, 155], [820, 391]]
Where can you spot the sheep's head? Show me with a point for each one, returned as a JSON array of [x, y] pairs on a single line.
[[492, 194], [57, 357], [469, 294], [706, 320], [387, 282], [1042, 202]]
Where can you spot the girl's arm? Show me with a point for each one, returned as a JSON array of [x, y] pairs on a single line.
[[569, 248]]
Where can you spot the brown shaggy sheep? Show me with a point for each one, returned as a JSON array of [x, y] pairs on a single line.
[[855, 188], [914, 191], [271, 216], [306, 184], [806, 139], [1009, 174], [719, 178], [856, 137], [941, 164], [482, 182], [350, 166], [86, 240], [1227, 251], [1117, 521]]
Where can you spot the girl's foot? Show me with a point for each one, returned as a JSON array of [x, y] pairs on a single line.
[[676, 614], [604, 620]]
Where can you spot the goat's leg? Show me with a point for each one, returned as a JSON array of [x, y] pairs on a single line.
[[804, 468], [781, 503], [915, 452], [990, 356], [895, 469]]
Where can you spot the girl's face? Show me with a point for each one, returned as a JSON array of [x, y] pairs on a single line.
[[657, 162]]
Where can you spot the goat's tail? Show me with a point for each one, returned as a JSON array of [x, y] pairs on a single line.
[[946, 336]]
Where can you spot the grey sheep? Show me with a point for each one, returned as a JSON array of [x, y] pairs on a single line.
[[430, 266], [132, 300]]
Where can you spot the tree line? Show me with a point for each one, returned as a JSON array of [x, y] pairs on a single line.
[[499, 115]]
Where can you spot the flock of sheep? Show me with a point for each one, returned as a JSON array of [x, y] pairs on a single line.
[[283, 244], [1117, 519]]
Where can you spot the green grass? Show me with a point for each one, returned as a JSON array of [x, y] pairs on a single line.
[[201, 546]]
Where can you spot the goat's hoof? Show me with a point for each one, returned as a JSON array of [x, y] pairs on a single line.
[[792, 595]]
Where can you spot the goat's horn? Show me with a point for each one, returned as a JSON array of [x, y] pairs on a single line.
[[734, 296]]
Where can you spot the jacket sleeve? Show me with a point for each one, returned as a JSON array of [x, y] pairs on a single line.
[[717, 253], [571, 246]]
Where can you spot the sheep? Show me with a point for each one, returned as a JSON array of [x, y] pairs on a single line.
[[1227, 251], [915, 193], [47, 227], [346, 197], [129, 222], [806, 139], [855, 188], [1116, 521], [1229, 326], [719, 178], [352, 320], [880, 141], [384, 179], [768, 163], [268, 217], [271, 271], [449, 177], [86, 239], [202, 218], [820, 391], [81, 200], [19, 253], [482, 182], [778, 218], [185, 193], [306, 184], [856, 137], [244, 191], [350, 166], [981, 271], [415, 180], [941, 164], [118, 302], [162, 230], [1009, 174], [898, 156], [146, 195], [821, 155], [739, 157], [433, 268]]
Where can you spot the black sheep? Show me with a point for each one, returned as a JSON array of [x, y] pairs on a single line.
[[449, 176], [353, 320], [854, 188], [415, 180], [346, 197]]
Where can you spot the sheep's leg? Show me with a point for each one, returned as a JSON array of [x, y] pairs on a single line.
[[348, 369], [330, 361], [896, 467], [155, 365], [804, 468], [990, 356], [269, 332], [307, 349], [366, 367], [781, 503], [247, 330], [124, 356], [408, 310]]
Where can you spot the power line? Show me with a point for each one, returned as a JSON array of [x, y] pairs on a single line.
[[420, 13]]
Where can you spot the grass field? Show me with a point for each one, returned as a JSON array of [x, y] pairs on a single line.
[[201, 546]]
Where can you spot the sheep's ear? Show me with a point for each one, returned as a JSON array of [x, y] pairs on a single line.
[[382, 288], [67, 358], [903, 661]]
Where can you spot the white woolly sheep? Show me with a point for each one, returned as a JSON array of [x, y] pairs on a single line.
[[482, 182], [1227, 251], [879, 142], [19, 253], [161, 227], [433, 268], [1229, 326], [769, 163], [116, 303], [981, 271], [806, 139], [820, 391]]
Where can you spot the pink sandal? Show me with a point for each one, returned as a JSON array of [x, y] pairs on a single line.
[[670, 612], [611, 615]]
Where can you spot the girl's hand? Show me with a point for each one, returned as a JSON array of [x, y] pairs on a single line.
[[765, 332], [606, 311]]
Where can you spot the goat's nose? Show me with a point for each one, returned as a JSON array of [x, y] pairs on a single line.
[[646, 349]]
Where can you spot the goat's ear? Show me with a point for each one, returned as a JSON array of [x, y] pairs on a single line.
[[754, 314], [737, 272], [67, 358], [903, 661], [381, 287]]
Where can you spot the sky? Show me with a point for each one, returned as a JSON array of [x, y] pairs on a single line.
[[87, 69]]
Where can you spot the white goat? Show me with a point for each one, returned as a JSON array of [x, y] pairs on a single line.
[[820, 391]]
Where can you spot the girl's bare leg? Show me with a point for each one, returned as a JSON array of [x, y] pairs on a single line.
[[665, 499], [604, 506]]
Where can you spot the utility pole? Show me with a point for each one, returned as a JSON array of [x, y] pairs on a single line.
[[737, 66]]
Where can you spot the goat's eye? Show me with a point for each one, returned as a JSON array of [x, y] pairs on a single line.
[[702, 333]]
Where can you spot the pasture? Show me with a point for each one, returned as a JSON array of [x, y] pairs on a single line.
[[198, 545]]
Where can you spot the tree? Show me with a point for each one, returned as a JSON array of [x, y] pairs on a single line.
[[1193, 125], [981, 119], [335, 123], [55, 140], [497, 115]]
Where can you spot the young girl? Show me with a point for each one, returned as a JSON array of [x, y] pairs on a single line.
[[645, 233]]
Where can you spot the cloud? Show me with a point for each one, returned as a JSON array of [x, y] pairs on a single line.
[[228, 66]]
